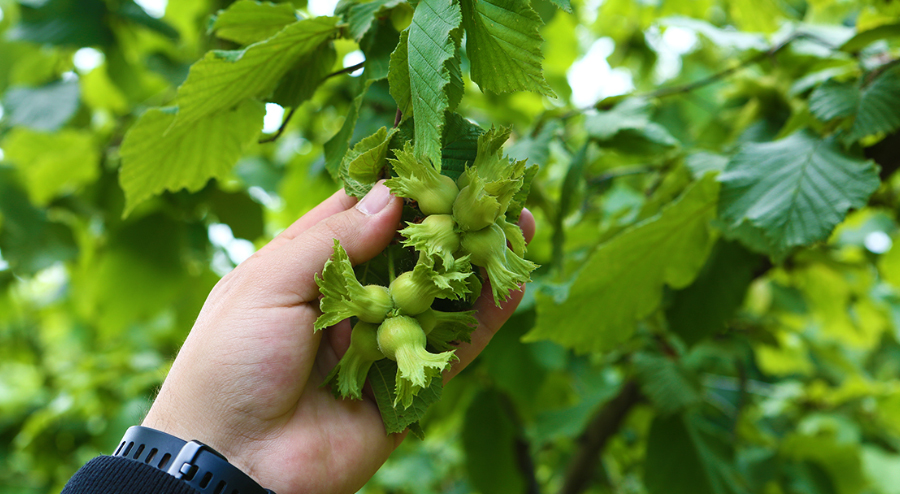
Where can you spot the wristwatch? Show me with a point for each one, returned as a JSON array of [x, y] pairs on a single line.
[[204, 468]]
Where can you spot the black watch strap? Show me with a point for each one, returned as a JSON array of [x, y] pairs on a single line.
[[202, 467]]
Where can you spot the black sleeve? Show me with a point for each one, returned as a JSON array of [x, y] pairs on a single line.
[[115, 475]]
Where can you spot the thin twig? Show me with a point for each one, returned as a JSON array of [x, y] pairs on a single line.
[[346, 70], [397, 117], [281, 127], [287, 120]]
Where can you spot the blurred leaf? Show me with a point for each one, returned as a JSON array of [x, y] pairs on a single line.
[[503, 43], [489, 439], [99, 92], [702, 162], [834, 100], [866, 38], [339, 144], [874, 107], [144, 260], [362, 15], [665, 382], [627, 128], [669, 249], [73, 23], [48, 107], [841, 460], [133, 12], [53, 164], [595, 389], [795, 189], [686, 454], [245, 22], [240, 212], [158, 157], [29, 240], [704, 308], [511, 364], [377, 45]]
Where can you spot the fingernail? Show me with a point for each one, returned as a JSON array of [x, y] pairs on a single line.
[[375, 200]]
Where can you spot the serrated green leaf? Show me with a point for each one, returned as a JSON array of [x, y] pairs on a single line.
[[834, 99], [361, 16], [878, 110], [52, 164], [222, 79], [460, 145], [431, 49], [668, 249], [247, 21], [874, 107], [503, 43], [688, 455], [364, 164], [48, 107], [382, 377], [157, 157], [795, 189]]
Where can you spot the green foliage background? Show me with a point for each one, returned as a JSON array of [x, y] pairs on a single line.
[[718, 308]]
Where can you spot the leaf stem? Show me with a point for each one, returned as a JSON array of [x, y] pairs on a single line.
[[281, 127]]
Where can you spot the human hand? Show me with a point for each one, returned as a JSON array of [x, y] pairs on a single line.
[[246, 380]]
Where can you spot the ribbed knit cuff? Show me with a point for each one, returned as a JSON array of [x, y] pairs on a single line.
[[111, 475]]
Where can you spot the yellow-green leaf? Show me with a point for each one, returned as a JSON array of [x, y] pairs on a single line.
[[158, 157]]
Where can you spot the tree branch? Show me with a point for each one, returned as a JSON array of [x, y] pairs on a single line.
[[592, 441], [693, 86]]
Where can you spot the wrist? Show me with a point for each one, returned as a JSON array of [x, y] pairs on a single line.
[[192, 462]]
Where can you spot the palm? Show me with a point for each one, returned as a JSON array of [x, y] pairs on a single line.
[[247, 380]]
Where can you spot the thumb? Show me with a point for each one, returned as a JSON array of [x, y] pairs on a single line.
[[363, 230]]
